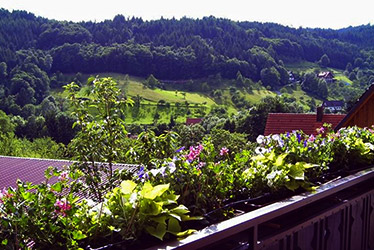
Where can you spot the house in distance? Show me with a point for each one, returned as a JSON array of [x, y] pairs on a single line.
[[327, 76], [333, 106]]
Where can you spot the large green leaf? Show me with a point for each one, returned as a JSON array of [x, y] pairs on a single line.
[[292, 185], [181, 209], [151, 193], [127, 186], [158, 232], [280, 160], [297, 171], [173, 226]]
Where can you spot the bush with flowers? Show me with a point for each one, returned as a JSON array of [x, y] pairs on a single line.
[[172, 185]]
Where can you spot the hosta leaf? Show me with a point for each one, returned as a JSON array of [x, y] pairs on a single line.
[[181, 209], [150, 207], [280, 160], [155, 191], [173, 226], [292, 185], [187, 217], [297, 170], [127, 186], [158, 232], [177, 217], [160, 219]]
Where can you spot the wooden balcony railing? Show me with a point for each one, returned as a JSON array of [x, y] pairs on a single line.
[[338, 215]]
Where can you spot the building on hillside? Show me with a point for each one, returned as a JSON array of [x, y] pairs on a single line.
[[32, 169], [278, 123], [291, 77], [192, 121], [327, 76], [362, 113], [333, 106]]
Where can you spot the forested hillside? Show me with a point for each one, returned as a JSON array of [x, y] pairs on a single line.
[[38, 54]]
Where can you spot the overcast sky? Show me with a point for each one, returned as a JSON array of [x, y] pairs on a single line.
[[295, 13]]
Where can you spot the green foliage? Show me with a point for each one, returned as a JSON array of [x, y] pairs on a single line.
[[149, 148], [353, 148], [133, 209], [45, 214], [102, 132], [270, 77], [324, 61]]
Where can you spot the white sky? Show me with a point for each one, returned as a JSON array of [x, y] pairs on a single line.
[[295, 13]]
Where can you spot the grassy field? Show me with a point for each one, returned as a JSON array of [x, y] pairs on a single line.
[[182, 104], [257, 95]]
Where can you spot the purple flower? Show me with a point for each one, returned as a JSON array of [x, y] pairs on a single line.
[[311, 138], [180, 149], [224, 151], [141, 173], [288, 134], [298, 138], [305, 143]]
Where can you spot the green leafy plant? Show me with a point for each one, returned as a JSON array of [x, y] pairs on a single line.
[[132, 209], [103, 134], [46, 215]]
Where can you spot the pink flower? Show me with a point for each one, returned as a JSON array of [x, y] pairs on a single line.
[[4, 194], [224, 151], [321, 130], [194, 153], [62, 206], [311, 138], [63, 176]]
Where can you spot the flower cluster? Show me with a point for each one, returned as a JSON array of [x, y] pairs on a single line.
[[224, 151], [63, 176], [194, 153], [4, 194], [62, 206]]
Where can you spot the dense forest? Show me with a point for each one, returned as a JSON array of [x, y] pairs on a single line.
[[36, 54]]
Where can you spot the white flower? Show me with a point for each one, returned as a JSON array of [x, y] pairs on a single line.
[[154, 171], [271, 175], [106, 211], [260, 150], [172, 167], [260, 139], [369, 145], [133, 199], [275, 137]]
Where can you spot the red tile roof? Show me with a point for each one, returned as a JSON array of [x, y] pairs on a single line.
[[32, 170], [278, 123]]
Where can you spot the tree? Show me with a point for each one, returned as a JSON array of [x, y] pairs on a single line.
[[352, 76], [3, 70], [349, 67], [6, 125], [324, 61], [358, 62], [152, 82], [270, 77], [102, 133]]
